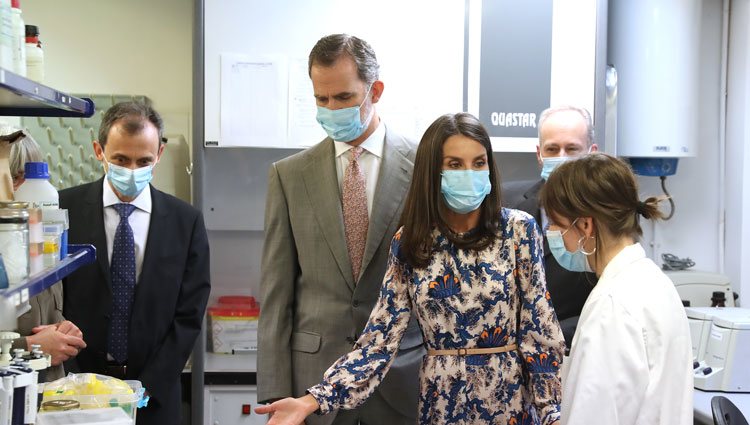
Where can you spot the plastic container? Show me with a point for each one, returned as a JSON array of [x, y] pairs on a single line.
[[36, 240], [233, 324], [3, 274], [60, 217], [52, 241], [104, 416], [14, 243], [37, 190], [6, 35], [93, 391], [34, 54], [19, 39]]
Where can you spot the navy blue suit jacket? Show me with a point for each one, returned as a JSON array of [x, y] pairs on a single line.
[[170, 296], [568, 290]]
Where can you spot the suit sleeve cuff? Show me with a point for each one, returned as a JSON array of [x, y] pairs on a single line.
[[21, 343]]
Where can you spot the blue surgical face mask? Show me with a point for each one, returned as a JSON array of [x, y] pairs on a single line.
[[549, 165], [574, 261], [464, 190], [344, 125], [129, 182]]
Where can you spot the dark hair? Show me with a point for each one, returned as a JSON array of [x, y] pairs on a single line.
[[331, 48], [425, 207], [134, 116], [600, 186]]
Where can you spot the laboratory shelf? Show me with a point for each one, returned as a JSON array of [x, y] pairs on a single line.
[[20, 96], [18, 295]]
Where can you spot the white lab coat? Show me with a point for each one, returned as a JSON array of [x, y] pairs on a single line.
[[631, 361]]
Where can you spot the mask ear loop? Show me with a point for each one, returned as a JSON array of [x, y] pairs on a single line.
[[366, 122]]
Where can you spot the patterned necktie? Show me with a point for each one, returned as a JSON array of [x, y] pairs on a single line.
[[122, 274], [355, 211]]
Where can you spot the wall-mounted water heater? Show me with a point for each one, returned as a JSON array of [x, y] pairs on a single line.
[[654, 46]]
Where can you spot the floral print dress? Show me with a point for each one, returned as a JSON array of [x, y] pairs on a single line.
[[464, 299]]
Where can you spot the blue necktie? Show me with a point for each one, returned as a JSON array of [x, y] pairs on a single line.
[[122, 274]]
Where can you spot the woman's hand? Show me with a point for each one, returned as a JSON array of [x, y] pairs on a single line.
[[289, 411]]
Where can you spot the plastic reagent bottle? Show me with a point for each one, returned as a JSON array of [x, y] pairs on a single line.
[[19, 40], [6, 35], [34, 54], [37, 189]]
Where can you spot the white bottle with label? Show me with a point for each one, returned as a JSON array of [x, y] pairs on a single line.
[[19, 40], [37, 189], [6, 35], [34, 54]]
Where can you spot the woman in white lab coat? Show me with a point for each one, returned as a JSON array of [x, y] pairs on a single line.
[[630, 361]]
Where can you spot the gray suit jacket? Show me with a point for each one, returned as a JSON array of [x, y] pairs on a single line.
[[46, 309], [312, 310]]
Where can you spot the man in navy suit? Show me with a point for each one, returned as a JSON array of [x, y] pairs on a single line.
[[564, 132], [141, 304]]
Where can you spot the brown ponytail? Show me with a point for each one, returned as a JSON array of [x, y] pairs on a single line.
[[649, 209]]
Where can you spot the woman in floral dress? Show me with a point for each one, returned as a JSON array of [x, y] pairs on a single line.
[[472, 273]]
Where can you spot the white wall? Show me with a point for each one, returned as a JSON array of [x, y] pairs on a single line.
[[692, 232], [123, 47], [421, 59], [738, 149], [134, 47]]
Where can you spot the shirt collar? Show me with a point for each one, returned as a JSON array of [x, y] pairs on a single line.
[[373, 144], [142, 201]]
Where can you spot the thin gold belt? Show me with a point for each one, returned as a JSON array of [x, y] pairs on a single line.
[[470, 351]]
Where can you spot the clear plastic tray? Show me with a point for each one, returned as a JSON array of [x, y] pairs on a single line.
[[129, 403]]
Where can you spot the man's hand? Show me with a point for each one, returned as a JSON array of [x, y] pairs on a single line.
[[55, 343]]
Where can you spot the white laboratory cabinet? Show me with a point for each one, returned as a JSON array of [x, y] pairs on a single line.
[[231, 405], [230, 393]]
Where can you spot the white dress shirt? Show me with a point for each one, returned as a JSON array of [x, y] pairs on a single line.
[[369, 161], [631, 358], [139, 221], [545, 220]]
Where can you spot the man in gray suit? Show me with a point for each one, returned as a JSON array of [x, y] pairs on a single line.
[[331, 212], [564, 132]]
